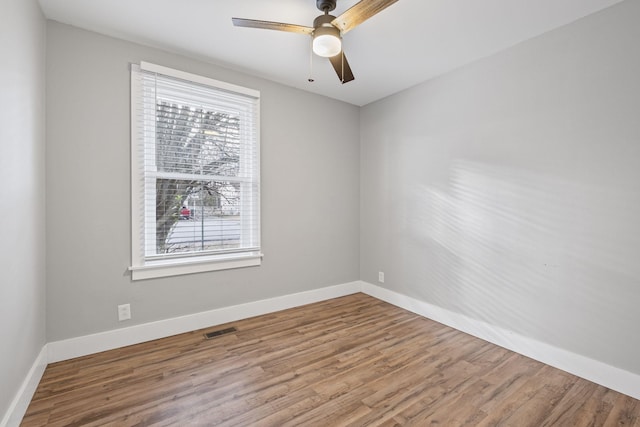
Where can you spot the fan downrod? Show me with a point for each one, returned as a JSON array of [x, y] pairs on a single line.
[[326, 5]]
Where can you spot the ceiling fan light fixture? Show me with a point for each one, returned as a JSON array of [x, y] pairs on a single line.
[[327, 41], [326, 45]]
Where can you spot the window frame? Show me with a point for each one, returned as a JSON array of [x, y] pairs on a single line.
[[141, 266]]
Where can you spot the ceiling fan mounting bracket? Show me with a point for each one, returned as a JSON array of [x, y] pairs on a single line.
[[326, 5]]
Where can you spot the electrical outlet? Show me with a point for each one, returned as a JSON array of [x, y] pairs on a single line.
[[124, 312], [380, 276]]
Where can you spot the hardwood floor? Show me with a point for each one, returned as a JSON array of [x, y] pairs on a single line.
[[351, 361]]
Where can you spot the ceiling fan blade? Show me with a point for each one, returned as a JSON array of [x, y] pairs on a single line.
[[268, 25], [343, 70], [359, 13]]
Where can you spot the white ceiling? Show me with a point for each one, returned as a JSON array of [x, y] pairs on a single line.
[[406, 44]]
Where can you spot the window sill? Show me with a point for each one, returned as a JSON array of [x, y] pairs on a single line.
[[155, 269]]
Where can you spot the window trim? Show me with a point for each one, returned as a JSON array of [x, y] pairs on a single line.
[[142, 268]]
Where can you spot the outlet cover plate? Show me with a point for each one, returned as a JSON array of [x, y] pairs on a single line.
[[124, 312]]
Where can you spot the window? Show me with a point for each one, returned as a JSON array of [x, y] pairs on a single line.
[[195, 173]]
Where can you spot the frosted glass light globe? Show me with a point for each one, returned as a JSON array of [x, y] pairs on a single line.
[[326, 45]]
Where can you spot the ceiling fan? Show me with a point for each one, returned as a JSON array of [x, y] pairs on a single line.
[[327, 30]]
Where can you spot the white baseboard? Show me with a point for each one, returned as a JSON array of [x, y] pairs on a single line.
[[598, 372], [21, 401], [592, 370], [89, 344]]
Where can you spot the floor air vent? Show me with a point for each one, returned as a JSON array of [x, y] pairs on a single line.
[[213, 334]]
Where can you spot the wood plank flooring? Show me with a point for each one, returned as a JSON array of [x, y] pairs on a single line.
[[351, 361]]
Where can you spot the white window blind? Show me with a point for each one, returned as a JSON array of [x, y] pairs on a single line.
[[195, 173]]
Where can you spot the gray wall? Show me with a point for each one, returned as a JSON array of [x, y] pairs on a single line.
[[509, 190], [310, 192], [22, 201]]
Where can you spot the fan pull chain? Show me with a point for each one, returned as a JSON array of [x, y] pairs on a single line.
[[311, 79]]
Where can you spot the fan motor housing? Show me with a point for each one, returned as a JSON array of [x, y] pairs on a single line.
[[324, 21], [326, 5]]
